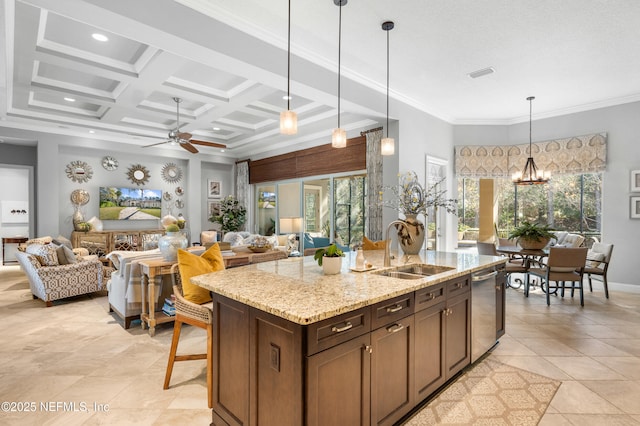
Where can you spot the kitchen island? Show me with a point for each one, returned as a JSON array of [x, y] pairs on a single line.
[[293, 346]]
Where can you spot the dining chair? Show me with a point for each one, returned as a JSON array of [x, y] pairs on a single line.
[[563, 265], [489, 249], [598, 259], [199, 316]]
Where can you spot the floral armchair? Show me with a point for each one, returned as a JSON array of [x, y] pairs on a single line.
[[56, 282]]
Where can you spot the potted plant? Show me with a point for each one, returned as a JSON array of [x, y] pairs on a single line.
[[532, 236], [330, 258], [232, 215]]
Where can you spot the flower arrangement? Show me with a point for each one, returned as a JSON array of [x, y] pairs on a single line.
[[411, 198], [232, 214]]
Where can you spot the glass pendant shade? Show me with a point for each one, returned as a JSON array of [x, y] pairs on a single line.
[[387, 146], [288, 122], [339, 138]]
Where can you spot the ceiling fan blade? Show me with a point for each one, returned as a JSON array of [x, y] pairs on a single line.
[[205, 143], [154, 144], [186, 136], [189, 147]]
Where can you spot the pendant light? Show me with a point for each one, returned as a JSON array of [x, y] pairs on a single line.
[[530, 174], [387, 145], [339, 136], [288, 118]]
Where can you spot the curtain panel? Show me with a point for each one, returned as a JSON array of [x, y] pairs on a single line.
[[578, 154], [242, 182], [373, 214]]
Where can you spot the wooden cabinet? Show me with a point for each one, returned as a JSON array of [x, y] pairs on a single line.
[[338, 384], [370, 366], [501, 299], [100, 243]]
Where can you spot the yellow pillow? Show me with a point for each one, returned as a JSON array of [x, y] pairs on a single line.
[[367, 244], [191, 265]]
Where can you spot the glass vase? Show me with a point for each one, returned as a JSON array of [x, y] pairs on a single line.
[[170, 243]]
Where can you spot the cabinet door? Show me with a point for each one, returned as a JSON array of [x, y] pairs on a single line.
[[457, 333], [392, 371], [338, 384], [501, 295], [429, 360]]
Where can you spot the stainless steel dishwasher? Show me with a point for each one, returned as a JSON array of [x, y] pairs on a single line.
[[483, 312]]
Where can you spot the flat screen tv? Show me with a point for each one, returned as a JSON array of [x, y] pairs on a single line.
[[130, 203]]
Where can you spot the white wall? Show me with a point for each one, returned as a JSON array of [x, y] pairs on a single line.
[[623, 155]]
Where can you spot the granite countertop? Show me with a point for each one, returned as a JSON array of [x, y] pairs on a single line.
[[296, 289]]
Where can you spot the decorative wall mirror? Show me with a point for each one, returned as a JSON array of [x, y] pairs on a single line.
[[79, 171], [179, 191], [80, 197], [171, 173], [138, 174]]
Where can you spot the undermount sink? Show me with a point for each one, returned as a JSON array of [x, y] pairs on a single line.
[[414, 271]]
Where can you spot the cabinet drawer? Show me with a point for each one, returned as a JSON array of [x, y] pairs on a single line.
[[330, 332], [427, 297], [458, 286], [389, 311]]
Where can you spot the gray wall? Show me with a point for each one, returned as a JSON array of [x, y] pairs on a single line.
[[623, 155]]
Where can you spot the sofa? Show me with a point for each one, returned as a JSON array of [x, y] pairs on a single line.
[[311, 243], [49, 280], [124, 284]]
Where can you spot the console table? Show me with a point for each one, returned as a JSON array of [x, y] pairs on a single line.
[[10, 240], [101, 243], [152, 268]]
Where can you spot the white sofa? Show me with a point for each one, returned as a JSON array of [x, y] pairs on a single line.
[[124, 285]]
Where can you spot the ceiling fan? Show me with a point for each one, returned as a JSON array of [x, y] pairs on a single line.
[[184, 138]]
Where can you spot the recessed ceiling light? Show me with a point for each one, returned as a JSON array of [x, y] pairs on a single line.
[[222, 150], [92, 131], [99, 37], [287, 98], [216, 128], [69, 99]]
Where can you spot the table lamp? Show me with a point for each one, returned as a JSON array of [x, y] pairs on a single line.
[[292, 225]]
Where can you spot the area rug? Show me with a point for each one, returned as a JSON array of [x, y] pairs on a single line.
[[490, 393]]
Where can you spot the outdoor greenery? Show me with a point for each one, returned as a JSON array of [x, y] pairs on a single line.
[[349, 209], [232, 214], [571, 203], [331, 251]]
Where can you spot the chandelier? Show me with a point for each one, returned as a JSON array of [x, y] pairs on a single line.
[[530, 174]]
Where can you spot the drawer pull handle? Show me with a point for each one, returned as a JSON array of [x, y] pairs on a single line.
[[395, 328], [458, 285], [431, 296], [347, 325], [392, 309]]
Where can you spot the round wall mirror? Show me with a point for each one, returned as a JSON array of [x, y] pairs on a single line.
[[138, 174], [79, 171], [171, 173]]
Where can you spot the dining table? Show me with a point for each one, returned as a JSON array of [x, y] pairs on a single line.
[[529, 256]]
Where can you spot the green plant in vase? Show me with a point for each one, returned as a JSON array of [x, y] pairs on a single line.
[[330, 259], [232, 215], [532, 235]]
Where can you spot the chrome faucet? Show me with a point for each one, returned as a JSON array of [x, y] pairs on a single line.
[[387, 255]]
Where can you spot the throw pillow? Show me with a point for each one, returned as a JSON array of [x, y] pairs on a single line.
[[367, 244], [191, 265], [41, 240], [45, 253], [283, 240], [594, 259], [62, 241], [66, 256], [308, 241]]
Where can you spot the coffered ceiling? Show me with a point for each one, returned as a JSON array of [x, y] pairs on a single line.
[[227, 61]]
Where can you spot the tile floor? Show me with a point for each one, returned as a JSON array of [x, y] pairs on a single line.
[[76, 352]]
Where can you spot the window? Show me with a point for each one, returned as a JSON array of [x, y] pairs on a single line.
[[571, 203], [349, 209]]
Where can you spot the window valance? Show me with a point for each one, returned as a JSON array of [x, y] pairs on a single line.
[[578, 154]]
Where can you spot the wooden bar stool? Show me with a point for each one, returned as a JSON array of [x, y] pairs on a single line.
[[198, 316]]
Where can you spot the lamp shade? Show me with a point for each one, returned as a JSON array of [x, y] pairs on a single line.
[[387, 146], [290, 225], [339, 138], [288, 122]]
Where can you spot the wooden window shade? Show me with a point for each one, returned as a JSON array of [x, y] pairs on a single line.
[[316, 161]]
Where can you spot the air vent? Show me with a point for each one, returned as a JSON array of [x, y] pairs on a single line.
[[482, 72]]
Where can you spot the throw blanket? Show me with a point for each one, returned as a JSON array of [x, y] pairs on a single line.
[[128, 273]]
